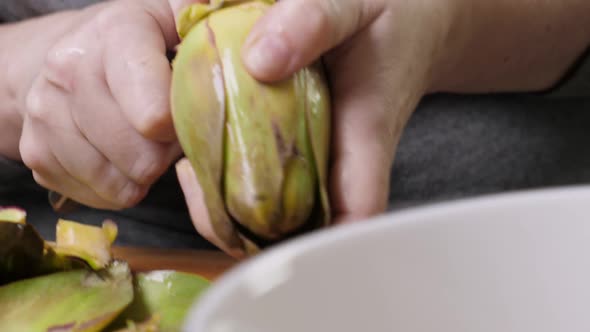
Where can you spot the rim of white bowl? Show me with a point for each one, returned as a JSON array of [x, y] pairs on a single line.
[[210, 299]]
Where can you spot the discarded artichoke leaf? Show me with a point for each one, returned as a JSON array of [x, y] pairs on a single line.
[[262, 122], [25, 254], [79, 300], [87, 242], [13, 214], [162, 296], [312, 82]]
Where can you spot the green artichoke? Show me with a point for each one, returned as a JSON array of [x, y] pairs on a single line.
[[259, 151]]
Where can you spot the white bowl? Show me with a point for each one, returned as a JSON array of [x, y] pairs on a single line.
[[516, 262]]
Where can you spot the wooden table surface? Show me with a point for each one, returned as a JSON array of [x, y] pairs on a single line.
[[209, 264]]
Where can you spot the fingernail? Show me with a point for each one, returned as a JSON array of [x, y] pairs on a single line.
[[267, 56]]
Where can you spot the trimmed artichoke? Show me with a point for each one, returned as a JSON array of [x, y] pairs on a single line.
[[259, 151], [25, 254]]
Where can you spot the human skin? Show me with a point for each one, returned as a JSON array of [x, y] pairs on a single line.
[[383, 56], [85, 99]]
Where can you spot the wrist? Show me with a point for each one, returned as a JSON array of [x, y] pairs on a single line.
[[453, 48], [434, 46], [510, 46]]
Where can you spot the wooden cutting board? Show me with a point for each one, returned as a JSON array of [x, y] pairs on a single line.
[[209, 264]]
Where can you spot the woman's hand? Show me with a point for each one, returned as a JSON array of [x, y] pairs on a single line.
[[96, 120]]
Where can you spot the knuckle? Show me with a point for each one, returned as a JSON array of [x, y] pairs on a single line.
[[122, 193], [147, 169], [129, 194], [60, 66], [154, 120], [103, 174], [31, 159], [31, 156], [111, 185], [36, 105], [112, 16]]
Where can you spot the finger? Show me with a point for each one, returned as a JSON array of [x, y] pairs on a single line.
[[104, 124], [58, 181], [294, 33], [49, 173], [101, 120], [75, 154], [197, 209], [138, 73], [364, 146]]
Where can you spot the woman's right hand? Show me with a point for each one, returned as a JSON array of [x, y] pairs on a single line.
[[96, 120]]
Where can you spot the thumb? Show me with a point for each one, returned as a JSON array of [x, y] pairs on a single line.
[[294, 33]]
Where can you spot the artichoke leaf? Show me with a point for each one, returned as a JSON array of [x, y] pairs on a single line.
[[13, 214], [317, 97], [162, 300], [89, 243], [255, 116], [193, 13], [24, 254], [198, 111], [79, 300]]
